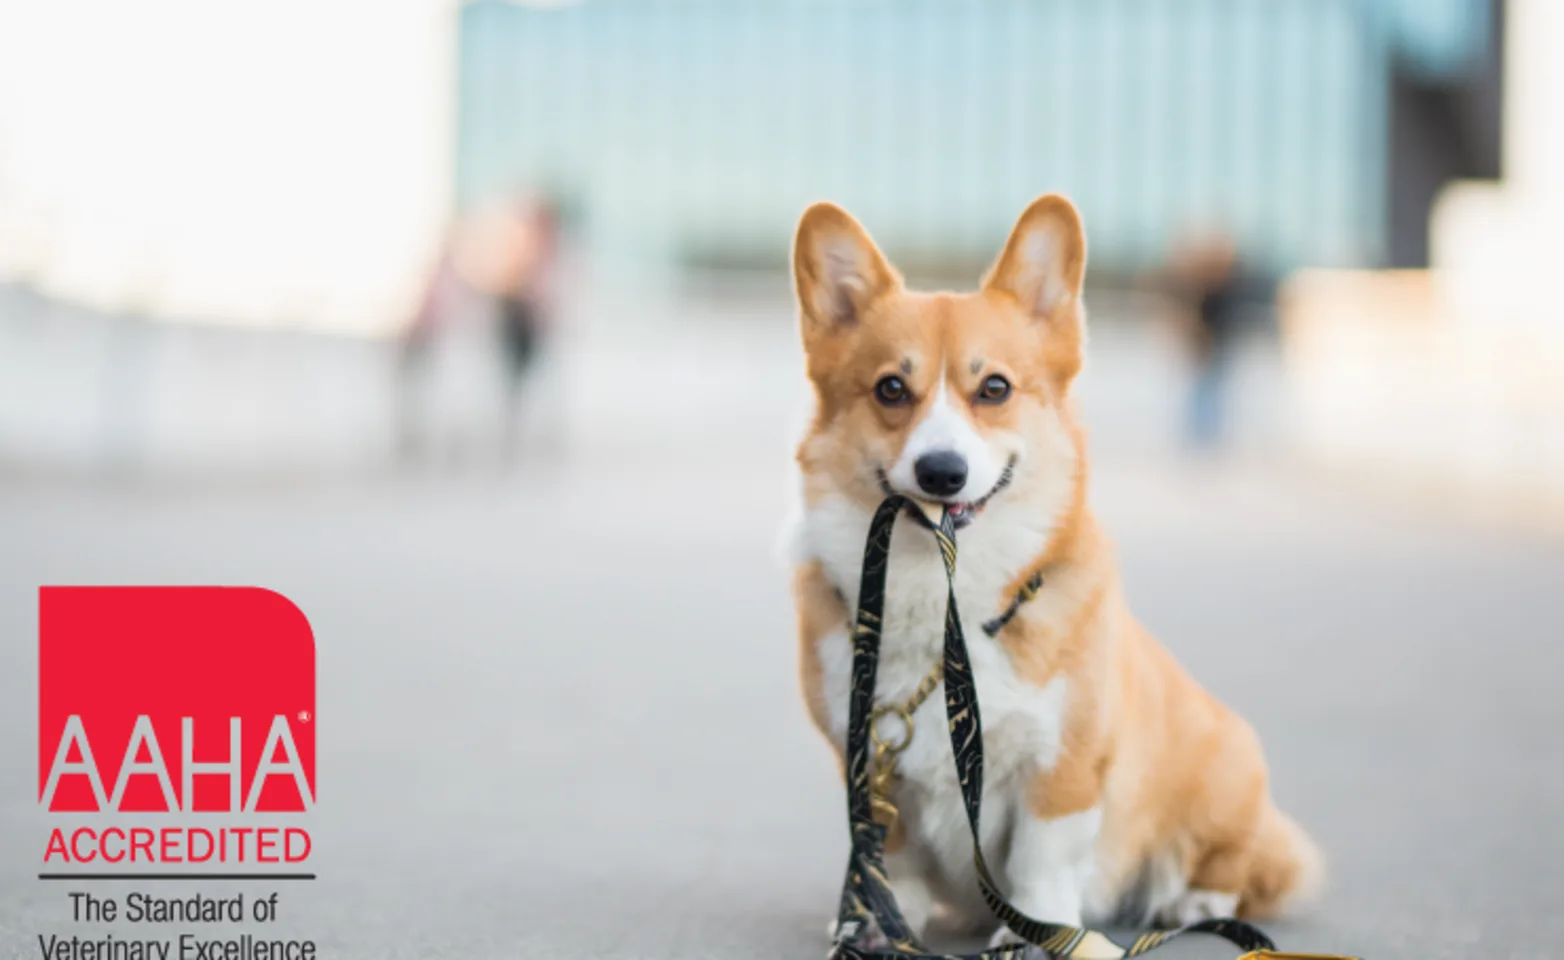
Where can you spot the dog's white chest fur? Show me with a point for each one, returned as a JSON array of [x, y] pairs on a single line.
[[1021, 721]]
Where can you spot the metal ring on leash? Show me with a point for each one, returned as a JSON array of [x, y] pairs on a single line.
[[900, 712]]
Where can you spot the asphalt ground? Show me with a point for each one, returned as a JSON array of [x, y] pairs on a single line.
[[558, 711]]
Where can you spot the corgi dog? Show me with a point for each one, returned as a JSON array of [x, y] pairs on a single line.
[[1116, 790]]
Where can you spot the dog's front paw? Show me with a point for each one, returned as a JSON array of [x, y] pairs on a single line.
[[863, 934], [1193, 906]]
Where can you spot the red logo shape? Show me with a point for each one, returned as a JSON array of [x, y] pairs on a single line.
[[167, 699]]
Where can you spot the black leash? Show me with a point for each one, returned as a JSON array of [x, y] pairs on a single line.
[[867, 901]]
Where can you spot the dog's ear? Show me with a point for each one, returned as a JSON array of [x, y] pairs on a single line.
[[1042, 268], [1044, 261], [837, 270]]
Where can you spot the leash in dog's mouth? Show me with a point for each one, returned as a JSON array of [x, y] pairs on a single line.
[[962, 513]]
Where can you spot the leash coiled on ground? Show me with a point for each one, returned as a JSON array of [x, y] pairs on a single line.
[[867, 901]]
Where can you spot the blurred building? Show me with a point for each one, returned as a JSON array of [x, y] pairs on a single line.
[[694, 131], [1447, 379], [305, 181]]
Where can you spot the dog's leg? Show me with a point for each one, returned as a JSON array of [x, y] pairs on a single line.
[[1054, 839], [909, 881], [1049, 864], [1197, 904], [1212, 886], [1243, 856]]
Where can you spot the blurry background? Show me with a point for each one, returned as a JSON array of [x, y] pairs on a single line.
[[450, 321], [215, 224]]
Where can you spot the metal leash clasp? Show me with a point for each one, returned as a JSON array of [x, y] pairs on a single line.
[[887, 746]]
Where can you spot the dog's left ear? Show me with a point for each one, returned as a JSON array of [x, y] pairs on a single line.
[[1042, 268], [1044, 261]]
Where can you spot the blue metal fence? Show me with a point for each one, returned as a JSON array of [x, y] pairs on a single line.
[[698, 129]]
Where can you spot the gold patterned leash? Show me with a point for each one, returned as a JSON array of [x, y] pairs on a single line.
[[868, 903], [888, 748]]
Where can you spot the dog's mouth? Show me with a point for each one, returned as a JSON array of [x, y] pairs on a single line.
[[962, 512]]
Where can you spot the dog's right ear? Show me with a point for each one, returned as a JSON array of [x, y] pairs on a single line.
[[837, 270]]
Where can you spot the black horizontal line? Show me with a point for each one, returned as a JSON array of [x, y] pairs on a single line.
[[176, 876]]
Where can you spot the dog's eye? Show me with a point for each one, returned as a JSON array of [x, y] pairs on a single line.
[[995, 389], [891, 391]]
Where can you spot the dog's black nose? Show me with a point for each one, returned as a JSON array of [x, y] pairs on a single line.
[[942, 473]]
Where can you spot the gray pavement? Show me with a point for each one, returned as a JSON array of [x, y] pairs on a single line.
[[558, 710]]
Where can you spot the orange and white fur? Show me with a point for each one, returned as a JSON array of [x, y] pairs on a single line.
[[1116, 789]]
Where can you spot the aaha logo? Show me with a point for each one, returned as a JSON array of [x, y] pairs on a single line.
[[159, 700], [169, 699]]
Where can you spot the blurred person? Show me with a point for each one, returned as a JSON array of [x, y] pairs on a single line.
[[510, 256], [503, 258], [1214, 291]]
